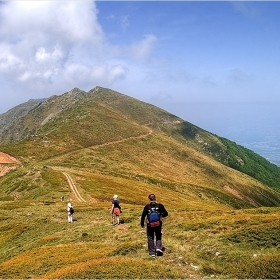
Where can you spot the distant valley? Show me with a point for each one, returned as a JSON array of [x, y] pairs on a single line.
[[266, 143], [253, 125]]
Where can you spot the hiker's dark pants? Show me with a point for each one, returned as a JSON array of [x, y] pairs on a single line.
[[153, 232]]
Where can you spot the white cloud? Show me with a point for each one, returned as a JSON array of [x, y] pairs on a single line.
[[143, 48], [38, 38], [69, 21], [117, 72], [100, 73], [49, 45], [8, 60], [25, 76], [44, 56]]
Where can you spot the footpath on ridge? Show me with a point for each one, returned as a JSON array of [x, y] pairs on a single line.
[[71, 183]]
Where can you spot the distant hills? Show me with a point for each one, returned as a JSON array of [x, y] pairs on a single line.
[[139, 141], [17, 112]]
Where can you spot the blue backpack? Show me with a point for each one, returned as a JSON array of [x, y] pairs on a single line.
[[153, 216]]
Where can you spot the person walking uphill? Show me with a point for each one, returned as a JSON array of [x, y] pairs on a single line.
[[153, 213], [116, 210]]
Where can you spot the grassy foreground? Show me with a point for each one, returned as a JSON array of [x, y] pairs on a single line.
[[201, 239]]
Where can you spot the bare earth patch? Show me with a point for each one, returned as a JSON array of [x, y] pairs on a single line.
[[7, 163], [232, 191]]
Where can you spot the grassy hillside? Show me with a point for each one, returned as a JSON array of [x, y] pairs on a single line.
[[250, 163], [79, 119], [203, 238], [222, 223]]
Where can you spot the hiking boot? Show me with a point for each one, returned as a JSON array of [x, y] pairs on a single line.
[[159, 252]]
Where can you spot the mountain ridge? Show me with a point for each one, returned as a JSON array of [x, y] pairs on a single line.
[[49, 131]]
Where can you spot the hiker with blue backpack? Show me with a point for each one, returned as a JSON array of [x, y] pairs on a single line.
[[153, 213]]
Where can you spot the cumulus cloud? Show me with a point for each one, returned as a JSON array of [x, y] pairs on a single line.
[[63, 21], [8, 60], [45, 41], [42, 55], [48, 47]]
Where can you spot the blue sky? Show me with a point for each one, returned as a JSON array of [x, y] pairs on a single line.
[[201, 51], [212, 63]]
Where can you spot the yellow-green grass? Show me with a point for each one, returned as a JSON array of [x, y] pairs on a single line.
[[41, 244], [170, 166], [202, 238]]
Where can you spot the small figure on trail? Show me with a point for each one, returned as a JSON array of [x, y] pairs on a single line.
[[153, 213], [70, 211], [116, 210]]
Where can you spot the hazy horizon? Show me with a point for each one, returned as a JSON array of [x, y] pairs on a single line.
[[255, 127]]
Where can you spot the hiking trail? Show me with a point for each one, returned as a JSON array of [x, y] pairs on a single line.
[[71, 182], [73, 187]]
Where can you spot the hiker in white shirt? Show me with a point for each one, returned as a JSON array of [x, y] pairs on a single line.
[[70, 211]]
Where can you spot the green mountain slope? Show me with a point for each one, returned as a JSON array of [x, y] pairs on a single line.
[[77, 120], [17, 112], [107, 142]]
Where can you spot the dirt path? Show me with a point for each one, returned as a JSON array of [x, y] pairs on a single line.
[[123, 140], [71, 182], [105, 144], [73, 187]]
